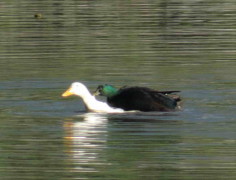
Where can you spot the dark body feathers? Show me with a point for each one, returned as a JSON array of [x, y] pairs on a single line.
[[144, 99]]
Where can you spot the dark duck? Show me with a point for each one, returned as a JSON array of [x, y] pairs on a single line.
[[140, 98]]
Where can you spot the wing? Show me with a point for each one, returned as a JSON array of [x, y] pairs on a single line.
[[176, 97], [143, 99], [167, 102]]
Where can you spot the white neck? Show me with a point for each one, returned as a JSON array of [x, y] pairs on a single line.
[[93, 105]]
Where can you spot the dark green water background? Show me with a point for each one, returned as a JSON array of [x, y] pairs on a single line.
[[186, 45]]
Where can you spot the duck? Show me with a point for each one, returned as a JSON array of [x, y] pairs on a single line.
[[90, 102], [139, 98]]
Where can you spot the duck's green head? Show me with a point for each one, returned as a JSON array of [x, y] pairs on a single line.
[[106, 90]]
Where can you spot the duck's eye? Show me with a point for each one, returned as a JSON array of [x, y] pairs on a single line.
[[77, 85]]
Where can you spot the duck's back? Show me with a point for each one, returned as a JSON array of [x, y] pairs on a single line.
[[142, 99]]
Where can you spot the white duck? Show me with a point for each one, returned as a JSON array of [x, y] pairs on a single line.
[[90, 102]]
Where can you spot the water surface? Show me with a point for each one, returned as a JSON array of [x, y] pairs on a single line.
[[166, 45]]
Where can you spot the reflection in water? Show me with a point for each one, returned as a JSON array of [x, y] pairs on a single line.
[[85, 139], [131, 138]]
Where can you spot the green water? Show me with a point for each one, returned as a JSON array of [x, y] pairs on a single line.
[[165, 45]]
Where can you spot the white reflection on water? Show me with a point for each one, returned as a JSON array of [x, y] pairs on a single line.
[[85, 139]]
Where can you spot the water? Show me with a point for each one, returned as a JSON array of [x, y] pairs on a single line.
[[166, 45]]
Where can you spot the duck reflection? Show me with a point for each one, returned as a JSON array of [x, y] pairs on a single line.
[[85, 138], [95, 141]]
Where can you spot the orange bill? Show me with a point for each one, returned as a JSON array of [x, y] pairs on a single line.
[[67, 93]]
